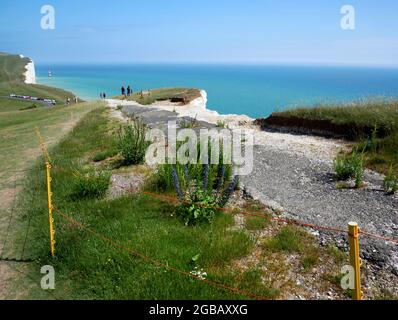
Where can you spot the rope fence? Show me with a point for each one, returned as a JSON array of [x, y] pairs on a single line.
[[353, 233]]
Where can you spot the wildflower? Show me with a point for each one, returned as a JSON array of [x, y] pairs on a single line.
[[228, 192], [220, 176], [201, 274], [205, 176], [177, 183]]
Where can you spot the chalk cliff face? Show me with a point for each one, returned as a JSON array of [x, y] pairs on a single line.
[[30, 74]]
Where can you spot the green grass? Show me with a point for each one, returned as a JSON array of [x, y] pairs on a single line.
[[292, 239], [164, 94], [256, 223], [382, 114], [368, 112], [89, 267], [17, 131], [12, 69]]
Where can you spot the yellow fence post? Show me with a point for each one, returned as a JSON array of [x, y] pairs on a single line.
[[49, 193], [353, 235], [50, 209]]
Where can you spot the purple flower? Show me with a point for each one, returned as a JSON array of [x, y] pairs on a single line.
[[220, 176], [228, 192], [205, 176], [177, 182]]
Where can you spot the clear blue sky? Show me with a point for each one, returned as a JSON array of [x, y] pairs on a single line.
[[205, 31]]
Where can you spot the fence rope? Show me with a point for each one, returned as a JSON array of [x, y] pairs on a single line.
[[167, 198], [176, 200], [157, 262]]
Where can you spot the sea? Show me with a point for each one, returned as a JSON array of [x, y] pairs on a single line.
[[254, 90]]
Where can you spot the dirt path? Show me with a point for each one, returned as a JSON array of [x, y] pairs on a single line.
[[15, 162]]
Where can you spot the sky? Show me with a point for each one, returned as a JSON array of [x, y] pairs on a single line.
[[202, 31]]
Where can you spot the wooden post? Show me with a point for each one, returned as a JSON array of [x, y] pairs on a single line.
[[353, 235]]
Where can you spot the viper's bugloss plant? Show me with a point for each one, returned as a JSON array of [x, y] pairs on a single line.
[[198, 203]]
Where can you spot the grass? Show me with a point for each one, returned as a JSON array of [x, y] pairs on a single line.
[[188, 123], [382, 114], [253, 223], [292, 239], [88, 267], [17, 131], [183, 95]]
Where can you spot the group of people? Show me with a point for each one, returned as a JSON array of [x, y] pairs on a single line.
[[127, 91], [75, 99]]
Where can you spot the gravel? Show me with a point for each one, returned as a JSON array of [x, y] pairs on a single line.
[[294, 174]]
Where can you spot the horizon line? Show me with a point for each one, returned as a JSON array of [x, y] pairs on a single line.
[[226, 63]]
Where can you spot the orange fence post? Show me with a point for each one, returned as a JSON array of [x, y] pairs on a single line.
[[353, 235]]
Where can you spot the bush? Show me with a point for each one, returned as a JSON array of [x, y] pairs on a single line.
[[90, 185], [350, 167], [131, 142], [391, 182]]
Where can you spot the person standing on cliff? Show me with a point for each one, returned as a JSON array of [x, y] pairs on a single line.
[[123, 91]]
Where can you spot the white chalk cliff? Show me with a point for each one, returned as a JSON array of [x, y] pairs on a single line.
[[30, 74]]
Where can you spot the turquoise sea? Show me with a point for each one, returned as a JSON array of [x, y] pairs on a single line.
[[253, 90]]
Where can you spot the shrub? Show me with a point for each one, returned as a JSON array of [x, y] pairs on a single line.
[[131, 142], [391, 182], [350, 167], [90, 185]]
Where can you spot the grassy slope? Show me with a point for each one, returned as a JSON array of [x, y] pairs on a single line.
[[164, 94], [17, 127], [12, 69], [17, 131], [19, 144], [382, 114]]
